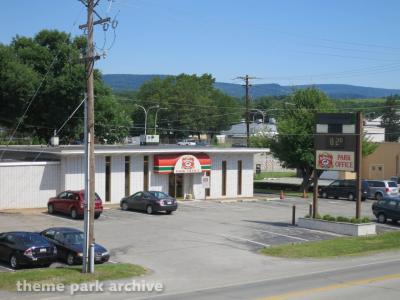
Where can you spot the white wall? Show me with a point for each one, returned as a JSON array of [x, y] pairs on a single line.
[[231, 175], [136, 174], [117, 178], [28, 184]]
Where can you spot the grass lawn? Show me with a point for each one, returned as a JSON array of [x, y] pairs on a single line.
[[337, 247], [69, 275], [263, 175]]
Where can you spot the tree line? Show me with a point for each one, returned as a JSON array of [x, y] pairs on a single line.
[[45, 76]]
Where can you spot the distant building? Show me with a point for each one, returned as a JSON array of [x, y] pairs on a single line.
[[373, 130], [237, 134]]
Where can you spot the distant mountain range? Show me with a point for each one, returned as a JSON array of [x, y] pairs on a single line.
[[132, 82]]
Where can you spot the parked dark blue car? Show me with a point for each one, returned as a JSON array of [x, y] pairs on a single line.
[[20, 248], [69, 243]]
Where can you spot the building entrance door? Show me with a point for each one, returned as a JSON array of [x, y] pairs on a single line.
[[175, 185]]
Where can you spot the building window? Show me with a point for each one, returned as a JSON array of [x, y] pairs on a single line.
[[145, 173], [208, 191], [108, 178], [127, 175], [239, 177], [224, 178]]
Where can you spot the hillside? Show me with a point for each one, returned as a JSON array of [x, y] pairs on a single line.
[[132, 82]]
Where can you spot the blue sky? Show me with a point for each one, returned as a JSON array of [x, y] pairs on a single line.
[[286, 41]]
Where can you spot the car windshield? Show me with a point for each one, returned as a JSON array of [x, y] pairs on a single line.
[[73, 238], [29, 238], [392, 184], [159, 195]]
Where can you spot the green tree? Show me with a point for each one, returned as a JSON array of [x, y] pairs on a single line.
[[191, 106], [294, 144], [54, 58], [391, 119]]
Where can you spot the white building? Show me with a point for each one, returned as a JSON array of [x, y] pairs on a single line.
[[373, 130], [30, 175]]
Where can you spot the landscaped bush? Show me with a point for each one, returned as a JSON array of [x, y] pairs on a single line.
[[329, 218], [340, 219], [355, 220], [365, 220], [343, 219]]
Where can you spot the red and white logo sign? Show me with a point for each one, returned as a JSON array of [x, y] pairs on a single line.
[[187, 164], [325, 160], [335, 160]]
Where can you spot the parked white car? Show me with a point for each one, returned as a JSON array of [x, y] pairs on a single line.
[[187, 143]]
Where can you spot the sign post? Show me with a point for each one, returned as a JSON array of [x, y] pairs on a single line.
[[338, 144], [205, 181]]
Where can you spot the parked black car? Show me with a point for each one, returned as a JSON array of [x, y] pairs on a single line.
[[152, 201], [21, 248], [387, 208], [69, 242], [345, 188]]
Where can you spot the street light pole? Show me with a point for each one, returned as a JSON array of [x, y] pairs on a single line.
[[145, 115], [155, 119], [261, 112]]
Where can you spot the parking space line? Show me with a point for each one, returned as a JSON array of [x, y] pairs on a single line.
[[284, 235], [323, 232], [62, 218], [112, 262], [242, 239], [8, 269]]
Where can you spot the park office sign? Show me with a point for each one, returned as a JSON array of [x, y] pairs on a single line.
[[335, 142]]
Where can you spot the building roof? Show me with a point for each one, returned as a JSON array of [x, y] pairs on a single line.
[[54, 153], [240, 130]]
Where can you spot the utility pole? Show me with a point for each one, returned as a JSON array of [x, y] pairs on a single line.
[[247, 86], [359, 135], [90, 57]]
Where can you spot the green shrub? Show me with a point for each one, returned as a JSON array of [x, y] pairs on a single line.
[[329, 218], [365, 220], [355, 221], [343, 219]]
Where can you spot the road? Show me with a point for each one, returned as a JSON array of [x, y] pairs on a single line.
[[370, 281]]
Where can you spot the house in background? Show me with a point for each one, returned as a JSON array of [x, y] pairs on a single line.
[[373, 130], [237, 134]]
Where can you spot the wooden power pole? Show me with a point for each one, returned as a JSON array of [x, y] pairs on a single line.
[[247, 86], [88, 255]]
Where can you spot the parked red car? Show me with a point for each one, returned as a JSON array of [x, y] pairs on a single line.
[[72, 203]]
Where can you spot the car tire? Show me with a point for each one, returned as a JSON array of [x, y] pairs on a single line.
[[70, 259], [324, 195], [381, 218], [74, 214], [50, 209], [124, 206], [378, 196], [96, 216], [351, 197], [168, 212], [149, 209], [14, 264]]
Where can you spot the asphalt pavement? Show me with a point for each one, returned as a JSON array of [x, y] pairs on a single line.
[[206, 245]]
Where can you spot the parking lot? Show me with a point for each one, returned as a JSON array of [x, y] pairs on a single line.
[[201, 238]]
